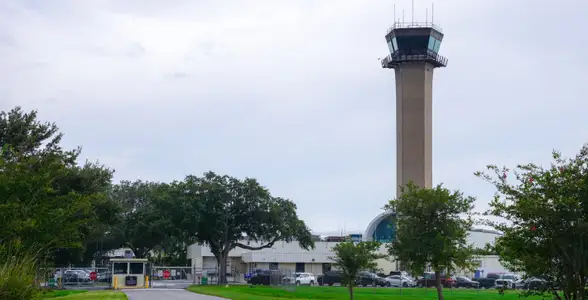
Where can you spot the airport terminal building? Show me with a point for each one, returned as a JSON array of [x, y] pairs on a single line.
[[292, 258]]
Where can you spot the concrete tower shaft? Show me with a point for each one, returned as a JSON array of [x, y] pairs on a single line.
[[414, 55], [414, 115]]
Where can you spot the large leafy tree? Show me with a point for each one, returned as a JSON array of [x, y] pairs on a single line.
[[27, 136], [94, 181], [31, 212], [46, 198], [351, 258], [148, 216], [224, 213], [172, 251], [431, 230], [543, 214]]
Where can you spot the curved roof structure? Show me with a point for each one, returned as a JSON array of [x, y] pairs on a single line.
[[382, 229], [368, 235]]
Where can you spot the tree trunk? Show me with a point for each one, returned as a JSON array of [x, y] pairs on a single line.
[[222, 272], [583, 290], [438, 285], [350, 292]]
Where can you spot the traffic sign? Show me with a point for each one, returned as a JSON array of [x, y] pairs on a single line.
[[166, 274], [93, 276]]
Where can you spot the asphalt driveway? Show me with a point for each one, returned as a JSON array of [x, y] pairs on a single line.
[[167, 294]]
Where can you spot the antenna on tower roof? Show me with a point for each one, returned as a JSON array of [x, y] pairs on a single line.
[[412, 17], [427, 15], [433, 13], [403, 16], [394, 12]]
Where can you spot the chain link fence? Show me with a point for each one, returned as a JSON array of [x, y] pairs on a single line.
[[92, 277], [171, 276], [76, 277], [184, 276]]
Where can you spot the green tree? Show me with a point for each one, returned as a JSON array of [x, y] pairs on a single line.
[[487, 250], [146, 218], [92, 180], [543, 214], [30, 210], [172, 251], [55, 202], [351, 258], [431, 230], [224, 213], [27, 136]]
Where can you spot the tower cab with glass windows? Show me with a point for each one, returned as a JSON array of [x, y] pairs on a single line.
[[412, 43], [128, 273]]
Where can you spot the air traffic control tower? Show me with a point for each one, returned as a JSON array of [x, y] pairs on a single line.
[[414, 55]]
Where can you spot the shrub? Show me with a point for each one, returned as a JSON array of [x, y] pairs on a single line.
[[18, 274]]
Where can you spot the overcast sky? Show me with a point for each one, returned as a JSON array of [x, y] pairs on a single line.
[[292, 93]]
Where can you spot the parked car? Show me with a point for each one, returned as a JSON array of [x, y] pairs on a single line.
[[330, 278], [429, 280], [300, 279], [464, 282], [507, 281], [401, 273], [266, 277], [368, 278], [75, 277], [504, 283], [105, 276], [531, 283], [399, 281], [489, 281]]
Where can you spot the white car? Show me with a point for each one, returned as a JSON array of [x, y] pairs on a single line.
[[301, 279], [508, 281], [505, 283], [399, 281]]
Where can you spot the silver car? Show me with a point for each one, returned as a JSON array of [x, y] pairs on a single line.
[[399, 281]]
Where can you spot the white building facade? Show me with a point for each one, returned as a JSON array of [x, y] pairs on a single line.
[[292, 258]]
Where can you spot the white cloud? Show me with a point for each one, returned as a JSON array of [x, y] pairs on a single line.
[[292, 93]]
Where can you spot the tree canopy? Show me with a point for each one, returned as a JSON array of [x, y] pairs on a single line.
[[225, 212], [75, 211], [145, 220], [543, 215], [351, 258], [47, 199], [431, 230]]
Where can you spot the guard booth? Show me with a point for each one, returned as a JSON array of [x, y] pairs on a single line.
[[129, 273]]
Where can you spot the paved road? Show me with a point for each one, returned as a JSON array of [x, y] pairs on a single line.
[[167, 294]]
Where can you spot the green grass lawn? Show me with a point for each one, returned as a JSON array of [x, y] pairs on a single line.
[[60, 293], [84, 295], [245, 292]]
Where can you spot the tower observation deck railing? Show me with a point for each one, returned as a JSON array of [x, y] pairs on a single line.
[[402, 25], [398, 57]]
